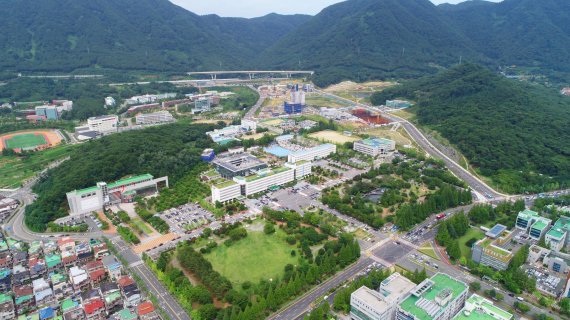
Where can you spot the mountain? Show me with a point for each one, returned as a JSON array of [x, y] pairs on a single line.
[[517, 32], [515, 133], [63, 35], [361, 39]]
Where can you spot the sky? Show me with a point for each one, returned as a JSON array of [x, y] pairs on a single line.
[[257, 8]]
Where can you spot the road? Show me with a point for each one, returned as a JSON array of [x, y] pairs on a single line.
[[481, 188], [251, 113], [135, 264]]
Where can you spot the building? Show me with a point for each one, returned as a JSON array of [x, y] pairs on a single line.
[[110, 102], [7, 309], [368, 304], [154, 118], [479, 308], [491, 252], [558, 236], [71, 310], [230, 133], [7, 206], [533, 223], [259, 181], [249, 125], [398, 104], [149, 98], [202, 105], [225, 191], [113, 267], [438, 298], [208, 155], [54, 110], [296, 104], [95, 198], [130, 291], [103, 124], [242, 164], [264, 179], [375, 146], [318, 152], [146, 311]]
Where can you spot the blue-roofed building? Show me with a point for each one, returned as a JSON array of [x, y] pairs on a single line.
[[5, 280], [208, 155], [318, 152], [277, 151], [47, 313], [496, 231], [112, 266]]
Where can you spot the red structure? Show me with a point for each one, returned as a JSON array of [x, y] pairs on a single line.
[[369, 116]]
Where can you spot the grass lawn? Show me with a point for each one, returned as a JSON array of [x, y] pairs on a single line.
[[258, 256], [14, 170], [472, 233], [142, 226], [427, 249]]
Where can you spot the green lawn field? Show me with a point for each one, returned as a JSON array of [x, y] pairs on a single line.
[[27, 140], [258, 256], [14, 170], [472, 233]]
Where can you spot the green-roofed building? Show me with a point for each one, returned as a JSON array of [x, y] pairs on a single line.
[[558, 236], [125, 314], [94, 198], [53, 261], [491, 252], [31, 316], [531, 222], [7, 310], [437, 298], [479, 308], [526, 218]]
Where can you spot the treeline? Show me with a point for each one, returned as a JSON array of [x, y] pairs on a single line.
[[13, 125], [155, 221], [170, 150], [128, 235], [449, 231], [494, 121], [195, 263], [447, 197], [504, 213]]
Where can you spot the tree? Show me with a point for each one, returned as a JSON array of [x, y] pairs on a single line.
[[269, 228], [453, 250], [565, 306], [523, 308], [443, 238], [475, 286]]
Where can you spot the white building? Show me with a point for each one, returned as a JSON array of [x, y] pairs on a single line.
[[149, 98], [103, 124], [249, 125], [375, 146], [318, 152], [110, 102], [368, 304], [154, 118], [264, 179], [260, 181], [226, 191]]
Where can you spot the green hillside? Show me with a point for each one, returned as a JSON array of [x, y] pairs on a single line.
[[515, 133]]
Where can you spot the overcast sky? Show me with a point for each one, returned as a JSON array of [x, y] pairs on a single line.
[[257, 8]]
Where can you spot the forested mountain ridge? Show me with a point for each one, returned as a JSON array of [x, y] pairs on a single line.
[[63, 35], [513, 132]]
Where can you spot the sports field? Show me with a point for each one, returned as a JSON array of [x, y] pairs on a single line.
[[30, 140], [25, 141], [258, 256], [333, 137]]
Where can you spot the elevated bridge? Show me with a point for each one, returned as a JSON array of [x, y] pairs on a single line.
[[251, 74]]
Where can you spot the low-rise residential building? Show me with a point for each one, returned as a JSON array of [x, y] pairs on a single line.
[[491, 252], [7, 308], [43, 293], [24, 298], [113, 267], [130, 291], [20, 275], [438, 298], [7, 206], [37, 267], [94, 309], [369, 304], [61, 288], [479, 308], [111, 296], [53, 261], [5, 280], [71, 310], [124, 314], [375, 146], [79, 278], [146, 311]]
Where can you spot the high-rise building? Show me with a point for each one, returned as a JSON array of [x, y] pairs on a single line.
[[296, 104]]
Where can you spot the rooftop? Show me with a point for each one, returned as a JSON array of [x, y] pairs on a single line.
[[376, 142], [264, 174], [540, 225], [556, 233], [479, 308], [313, 149], [527, 214], [224, 184], [238, 162], [440, 284], [117, 183]]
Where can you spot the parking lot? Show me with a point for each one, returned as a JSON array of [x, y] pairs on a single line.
[[187, 217]]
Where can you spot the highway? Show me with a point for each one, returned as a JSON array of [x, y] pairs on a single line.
[[250, 115]]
